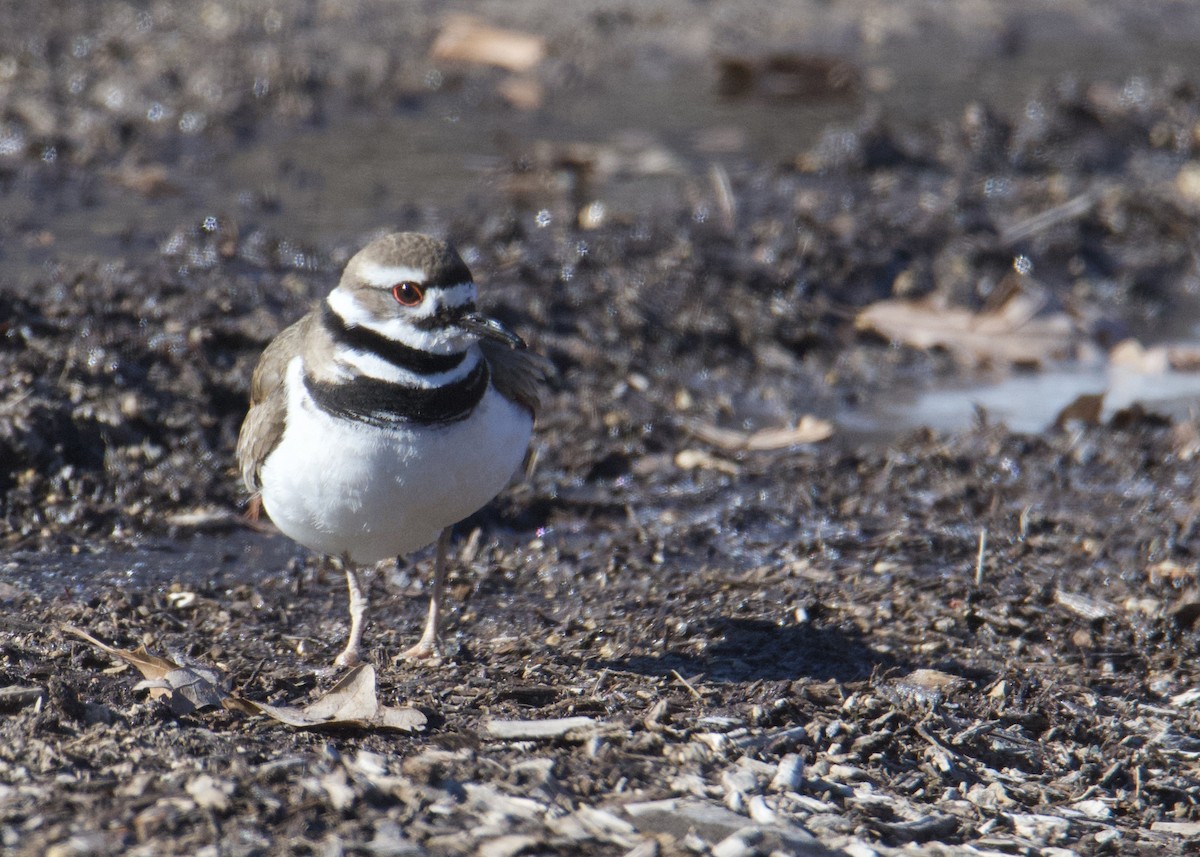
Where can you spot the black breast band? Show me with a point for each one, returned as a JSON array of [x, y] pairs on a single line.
[[386, 403]]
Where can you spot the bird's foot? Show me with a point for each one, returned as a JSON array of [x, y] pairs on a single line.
[[350, 657], [425, 650]]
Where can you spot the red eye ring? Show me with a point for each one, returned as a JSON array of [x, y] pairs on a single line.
[[407, 293]]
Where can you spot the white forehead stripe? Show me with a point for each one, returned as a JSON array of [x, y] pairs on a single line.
[[374, 274], [463, 293]]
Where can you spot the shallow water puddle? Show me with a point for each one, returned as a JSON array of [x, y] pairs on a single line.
[[1026, 402], [208, 559]]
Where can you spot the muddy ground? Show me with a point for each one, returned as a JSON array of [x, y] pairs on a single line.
[[963, 643]]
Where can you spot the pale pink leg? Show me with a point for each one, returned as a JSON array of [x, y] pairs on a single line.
[[430, 644], [352, 654]]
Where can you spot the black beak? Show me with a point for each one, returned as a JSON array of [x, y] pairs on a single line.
[[488, 328]]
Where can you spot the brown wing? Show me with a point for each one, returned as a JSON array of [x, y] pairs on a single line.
[[264, 423], [518, 374]]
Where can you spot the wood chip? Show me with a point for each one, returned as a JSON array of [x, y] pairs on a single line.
[[509, 845], [1040, 828], [698, 459], [538, 730], [1172, 571], [928, 685], [808, 429], [789, 776], [595, 825], [1177, 828], [14, 697], [465, 38], [209, 793], [1083, 606], [679, 817]]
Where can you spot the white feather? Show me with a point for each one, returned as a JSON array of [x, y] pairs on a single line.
[[341, 487], [351, 362]]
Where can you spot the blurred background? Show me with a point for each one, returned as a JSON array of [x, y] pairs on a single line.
[[320, 121]]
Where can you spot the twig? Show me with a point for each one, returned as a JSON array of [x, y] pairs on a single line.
[[1069, 210], [683, 681], [979, 558]]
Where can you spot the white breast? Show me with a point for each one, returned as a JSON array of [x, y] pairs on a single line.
[[345, 488]]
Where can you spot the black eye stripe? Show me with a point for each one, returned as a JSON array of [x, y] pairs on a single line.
[[446, 316], [396, 353]]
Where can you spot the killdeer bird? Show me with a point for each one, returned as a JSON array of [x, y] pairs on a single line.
[[390, 412]]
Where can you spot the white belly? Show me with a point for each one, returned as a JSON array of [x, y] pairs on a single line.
[[344, 488]]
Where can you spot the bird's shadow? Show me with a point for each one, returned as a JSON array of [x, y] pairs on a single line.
[[755, 649]]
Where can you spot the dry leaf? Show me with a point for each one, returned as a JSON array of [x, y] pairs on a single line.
[[809, 429], [1009, 334], [150, 666], [185, 687], [351, 703], [464, 38], [190, 687], [1086, 409]]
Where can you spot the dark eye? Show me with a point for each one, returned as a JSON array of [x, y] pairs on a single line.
[[407, 293]]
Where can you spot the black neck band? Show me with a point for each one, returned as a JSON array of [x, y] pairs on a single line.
[[385, 403]]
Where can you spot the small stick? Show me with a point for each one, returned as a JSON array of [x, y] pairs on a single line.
[[979, 558], [683, 681]]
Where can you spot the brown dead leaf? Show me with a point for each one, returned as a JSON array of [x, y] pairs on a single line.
[[465, 38], [1184, 358], [1085, 409], [809, 429], [185, 687], [149, 665], [190, 687], [1006, 335], [351, 703]]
